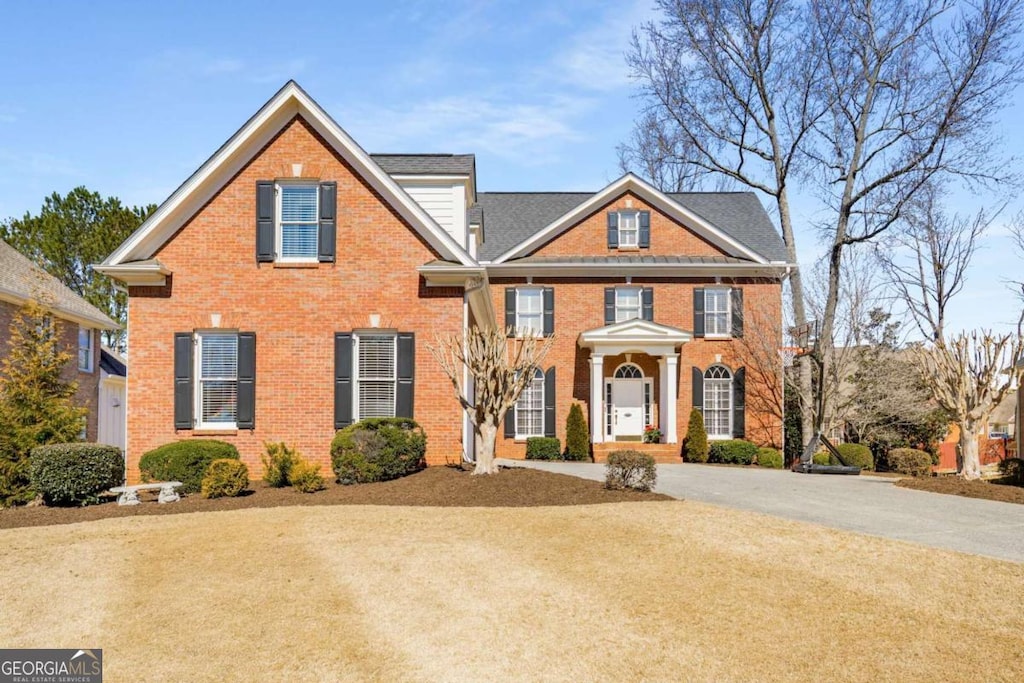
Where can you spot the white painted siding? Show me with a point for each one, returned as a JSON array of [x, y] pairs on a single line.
[[112, 402], [445, 201]]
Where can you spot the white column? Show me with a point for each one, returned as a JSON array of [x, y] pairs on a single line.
[[670, 372], [596, 398], [664, 407]]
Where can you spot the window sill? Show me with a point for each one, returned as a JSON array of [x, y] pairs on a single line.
[[628, 248], [720, 438], [296, 264], [718, 337], [206, 431]]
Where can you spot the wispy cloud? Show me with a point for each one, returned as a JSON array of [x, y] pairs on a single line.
[[37, 164], [195, 63], [594, 58], [9, 113]]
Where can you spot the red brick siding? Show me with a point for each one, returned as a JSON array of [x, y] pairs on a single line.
[[293, 311]]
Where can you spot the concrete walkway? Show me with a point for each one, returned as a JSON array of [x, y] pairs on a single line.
[[870, 505]]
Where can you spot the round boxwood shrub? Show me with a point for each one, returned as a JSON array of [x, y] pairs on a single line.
[[910, 461], [75, 473], [184, 461], [225, 478], [378, 449], [630, 470], [857, 455], [695, 445], [732, 452], [824, 458], [543, 448], [769, 457]]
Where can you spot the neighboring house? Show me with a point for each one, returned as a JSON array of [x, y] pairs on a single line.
[[290, 286], [78, 323], [113, 398], [1019, 413]]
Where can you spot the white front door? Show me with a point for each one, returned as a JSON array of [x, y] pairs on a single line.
[[628, 401]]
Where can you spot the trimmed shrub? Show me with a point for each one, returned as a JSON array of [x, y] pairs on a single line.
[[1012, 470], [577, 439], [695, 445], [278, 461], [824, 458], [306, 477], [184, 461], [75, 473], [630, 470], [732, 452], [857, 455], [225, 478], [543, 448], [909, 461], [378, 449], [769, 457]]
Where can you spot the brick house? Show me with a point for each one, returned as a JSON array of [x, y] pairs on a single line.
[[289, 288], [78, 324]]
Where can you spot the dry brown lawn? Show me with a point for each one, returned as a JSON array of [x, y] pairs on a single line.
[[655, 591]]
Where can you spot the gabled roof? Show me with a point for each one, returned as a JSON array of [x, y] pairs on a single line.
[[290, 101], [520, 222], [112, 363], [634, 334], [21, 280]]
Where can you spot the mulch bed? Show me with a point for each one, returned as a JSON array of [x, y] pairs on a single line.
[[433, 487], [957, 486]]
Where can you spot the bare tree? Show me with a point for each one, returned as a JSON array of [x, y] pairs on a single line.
[[758, 352], [729, 91], [500, 366], [969, 375]]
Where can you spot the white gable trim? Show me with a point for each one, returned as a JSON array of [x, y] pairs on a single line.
[[290, 101], [651, 194]]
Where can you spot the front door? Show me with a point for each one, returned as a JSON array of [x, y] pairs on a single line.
[[628, 400]]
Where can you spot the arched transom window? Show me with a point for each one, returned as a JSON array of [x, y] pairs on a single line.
[[628, 371], [718, 401]]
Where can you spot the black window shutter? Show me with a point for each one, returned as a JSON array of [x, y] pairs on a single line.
[[549, 311], [739, 407], [265, 238], [609, 305], [510, 423], [510, 310], [698, 389], [549, 402], [644, 240], [328, 222], [406, 374], [246, 380], [342, 379], [648, 304], [737, 311], [698, 313], [183, 394], [613, 230]]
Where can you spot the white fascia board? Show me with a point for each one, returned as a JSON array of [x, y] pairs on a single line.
[[636, 269], [449, 276], [148, 274], [631, 183], [238, 151]]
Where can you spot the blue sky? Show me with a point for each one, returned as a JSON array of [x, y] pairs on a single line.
[[130, 98]]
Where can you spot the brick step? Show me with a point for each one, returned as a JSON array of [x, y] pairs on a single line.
[[661, 452]]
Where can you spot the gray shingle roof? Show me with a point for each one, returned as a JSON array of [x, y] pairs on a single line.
[[112, 363], [426, 164], [629, 260], [23, 279], [513, 217]]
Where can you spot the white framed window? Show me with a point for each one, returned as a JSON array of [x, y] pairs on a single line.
[[375, 374], [628, 303], [85, 349], [717, 313], [629, 229], [530, 311], [298, 211], [216, 361], [530, 408], [718, 402]]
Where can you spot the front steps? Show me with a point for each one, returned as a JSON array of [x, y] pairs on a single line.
[[665, 453]]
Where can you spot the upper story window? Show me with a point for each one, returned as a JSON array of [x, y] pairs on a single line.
[[629, 229], [627, 303], [217, 374], [298, 211], [529, 311], [375, 379], [85, 350], [717, 313]]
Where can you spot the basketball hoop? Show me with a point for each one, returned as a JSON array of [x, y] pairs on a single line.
[[789, 354]]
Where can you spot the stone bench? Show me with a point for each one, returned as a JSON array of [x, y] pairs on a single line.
[[129, 495]]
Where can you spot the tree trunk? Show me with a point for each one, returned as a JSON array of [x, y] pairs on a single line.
[[486, 434], [971, 468]]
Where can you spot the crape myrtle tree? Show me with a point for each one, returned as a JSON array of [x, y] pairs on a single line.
[[499, 365], [863, 102], [70, 234]]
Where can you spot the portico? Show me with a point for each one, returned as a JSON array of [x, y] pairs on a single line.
[[622, 398]]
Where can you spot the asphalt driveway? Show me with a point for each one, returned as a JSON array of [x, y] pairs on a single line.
[[870, 505]]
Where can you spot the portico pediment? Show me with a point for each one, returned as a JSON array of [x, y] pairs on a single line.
[[634, 336]]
